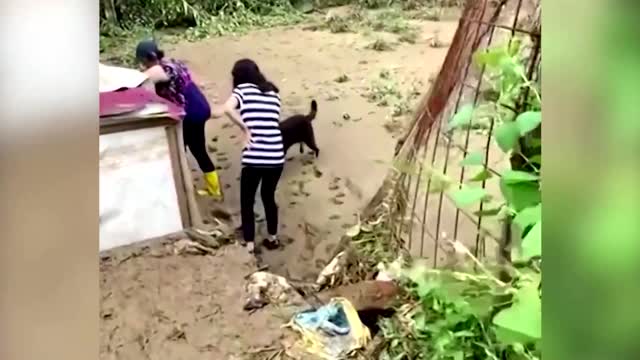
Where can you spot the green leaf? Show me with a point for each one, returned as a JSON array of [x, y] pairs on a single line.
[[514, 47], [438, 183], [469, 196], [520, 195], [536, 159], [506, 336], [524, 317], [535, 143], [473, 159], [528, 216], [507, 136], [462, 117], [531, 244], [516, 176], [528, 121], [490, 57], [483, 175]]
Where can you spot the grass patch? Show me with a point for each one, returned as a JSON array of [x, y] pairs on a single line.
[[117, 44], [410, 37], [381, 44], [391, 20], [385, 92]]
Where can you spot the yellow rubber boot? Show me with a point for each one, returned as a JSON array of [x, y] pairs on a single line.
[[213, 185]]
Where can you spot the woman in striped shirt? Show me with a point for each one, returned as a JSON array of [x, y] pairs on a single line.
[[254, 106]]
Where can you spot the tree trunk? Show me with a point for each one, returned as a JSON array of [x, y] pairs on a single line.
[[110, 15]]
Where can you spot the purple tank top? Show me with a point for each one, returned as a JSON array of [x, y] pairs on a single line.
[[179, 78]]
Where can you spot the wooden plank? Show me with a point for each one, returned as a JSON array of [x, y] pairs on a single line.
[[184, 181], [196, 216], [178, 176], [120, 124]]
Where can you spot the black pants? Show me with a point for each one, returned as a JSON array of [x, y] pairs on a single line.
[[194, 139], [250, 178]]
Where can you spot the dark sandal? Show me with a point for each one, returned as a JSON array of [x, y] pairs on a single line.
[[271, 244]]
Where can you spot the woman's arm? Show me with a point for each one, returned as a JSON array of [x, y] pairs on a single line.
[[156, 74], [229, 108]]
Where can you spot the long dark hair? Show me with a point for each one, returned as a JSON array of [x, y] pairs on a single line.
[[246, 71]]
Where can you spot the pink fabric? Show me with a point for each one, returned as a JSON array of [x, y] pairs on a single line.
[[111, 103]]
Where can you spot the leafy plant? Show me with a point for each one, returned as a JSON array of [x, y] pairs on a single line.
[[473, 314], [465, 316]]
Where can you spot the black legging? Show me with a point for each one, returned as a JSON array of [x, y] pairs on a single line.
[[194, 139], [250, 178]]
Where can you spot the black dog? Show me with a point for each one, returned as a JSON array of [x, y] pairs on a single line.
[[298, 129]]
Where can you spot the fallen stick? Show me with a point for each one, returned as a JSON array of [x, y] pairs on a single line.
[[202, 239]]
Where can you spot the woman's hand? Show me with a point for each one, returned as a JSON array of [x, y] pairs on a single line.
[[246, 137]]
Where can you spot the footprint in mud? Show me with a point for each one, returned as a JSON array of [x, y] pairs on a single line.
[[330, 248], [316, 172], [306, 161], [320, 263], [309, 243]]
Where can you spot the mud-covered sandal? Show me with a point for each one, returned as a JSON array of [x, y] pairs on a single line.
[[271, 243]]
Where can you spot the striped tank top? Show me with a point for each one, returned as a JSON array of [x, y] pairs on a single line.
[[260, 112]]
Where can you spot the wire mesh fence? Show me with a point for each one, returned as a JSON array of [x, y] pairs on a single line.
[[423, 216]]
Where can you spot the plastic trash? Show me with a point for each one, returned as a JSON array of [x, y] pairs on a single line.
[[332, 331], [328, 274]]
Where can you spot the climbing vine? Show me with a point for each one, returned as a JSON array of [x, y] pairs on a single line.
[[476, 314]]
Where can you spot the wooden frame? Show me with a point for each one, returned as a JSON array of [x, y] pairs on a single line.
[[187, 204]]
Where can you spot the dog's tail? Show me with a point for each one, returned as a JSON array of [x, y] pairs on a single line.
[[314, 110]]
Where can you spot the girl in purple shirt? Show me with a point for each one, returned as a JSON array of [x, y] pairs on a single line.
[[173, 82]]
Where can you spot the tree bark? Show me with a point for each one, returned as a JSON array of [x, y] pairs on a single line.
[[109, 9]]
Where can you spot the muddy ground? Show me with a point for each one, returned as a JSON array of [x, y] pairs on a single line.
[[318, 198], [157, 305]]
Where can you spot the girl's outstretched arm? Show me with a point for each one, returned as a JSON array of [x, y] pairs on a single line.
[[229, 108]]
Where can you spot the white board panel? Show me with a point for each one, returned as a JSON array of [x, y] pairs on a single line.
[[138, 198]]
